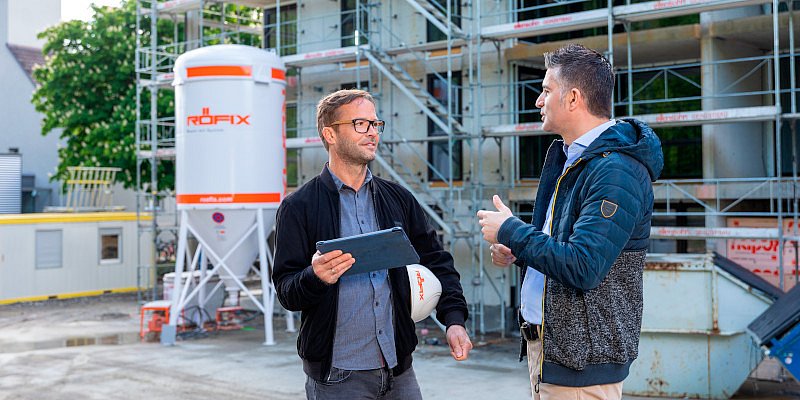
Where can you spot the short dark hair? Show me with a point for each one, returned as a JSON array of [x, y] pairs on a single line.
[[328, 107], [588, 71]]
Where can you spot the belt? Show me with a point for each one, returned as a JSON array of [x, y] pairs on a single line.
[[529, 331]]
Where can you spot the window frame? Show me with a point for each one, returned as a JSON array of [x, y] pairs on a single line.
[[110, 231], [437, 147]]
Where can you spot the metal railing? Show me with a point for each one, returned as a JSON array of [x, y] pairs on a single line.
[[89, 189], [724, 197]]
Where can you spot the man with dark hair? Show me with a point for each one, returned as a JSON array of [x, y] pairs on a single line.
[[357, 335], [582, 258]]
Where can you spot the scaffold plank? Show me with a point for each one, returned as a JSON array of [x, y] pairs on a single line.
[[547, 25], [343, 54], [728, 115], [303, 142], [178, 6], [162, 153], [689, 118], [163, 80], [702, 233], [182, 6], [599, 17], [675, 8], [348, 54], [526, 129]]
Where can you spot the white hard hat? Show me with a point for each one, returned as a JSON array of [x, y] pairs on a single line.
[[425, 291]]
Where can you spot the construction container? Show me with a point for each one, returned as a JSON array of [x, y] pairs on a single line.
[[693, 342], [62, 255]]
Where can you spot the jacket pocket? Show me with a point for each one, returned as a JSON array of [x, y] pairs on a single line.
[[615, 311], [566, 339]]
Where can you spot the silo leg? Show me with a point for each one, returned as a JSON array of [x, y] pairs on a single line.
[[267, 292]]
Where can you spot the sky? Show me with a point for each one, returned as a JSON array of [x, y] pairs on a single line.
[[81, 9]]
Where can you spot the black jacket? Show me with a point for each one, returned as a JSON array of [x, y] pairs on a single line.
[[311, 214]]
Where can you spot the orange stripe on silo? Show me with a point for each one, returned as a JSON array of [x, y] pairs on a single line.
[[278, 74], [219, 70], [228, 198]]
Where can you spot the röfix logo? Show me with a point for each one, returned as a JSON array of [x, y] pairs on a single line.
[[207, 119], [420, 280]]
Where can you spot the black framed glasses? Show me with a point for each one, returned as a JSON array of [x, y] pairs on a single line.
[[361, 125]]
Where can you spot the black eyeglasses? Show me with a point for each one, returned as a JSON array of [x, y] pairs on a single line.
[[362, 125]]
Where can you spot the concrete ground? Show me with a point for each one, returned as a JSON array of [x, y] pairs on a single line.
[[89, 349]]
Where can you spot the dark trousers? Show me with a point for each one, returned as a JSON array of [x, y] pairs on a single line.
[[374, 384]]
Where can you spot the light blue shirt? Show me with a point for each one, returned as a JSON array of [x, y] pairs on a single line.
[[531, 305]]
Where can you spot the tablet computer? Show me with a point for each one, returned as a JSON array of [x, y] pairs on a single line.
[[388, 248]]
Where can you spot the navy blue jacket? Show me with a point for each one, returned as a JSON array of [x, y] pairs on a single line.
[[594, 258]]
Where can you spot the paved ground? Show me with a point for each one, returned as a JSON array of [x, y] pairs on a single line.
[[89, 349]]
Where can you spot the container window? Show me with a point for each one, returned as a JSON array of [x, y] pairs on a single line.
[[49, 249], [110, 246]]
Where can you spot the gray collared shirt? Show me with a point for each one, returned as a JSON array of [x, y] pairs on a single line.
[[364, 331]]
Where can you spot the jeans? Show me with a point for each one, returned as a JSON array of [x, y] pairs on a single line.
[[374, 384]]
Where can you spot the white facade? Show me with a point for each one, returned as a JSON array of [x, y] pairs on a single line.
[[29, 17], [21, 127], [20, 22]]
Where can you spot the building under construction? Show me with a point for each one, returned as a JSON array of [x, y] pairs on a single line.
[[457, 82]]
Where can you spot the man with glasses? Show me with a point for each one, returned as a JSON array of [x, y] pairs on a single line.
[[357, 335]]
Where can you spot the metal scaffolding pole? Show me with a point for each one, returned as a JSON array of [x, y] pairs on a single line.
[[793, 124], [611, 44], [778, 120], [153, 198], [138, 132]]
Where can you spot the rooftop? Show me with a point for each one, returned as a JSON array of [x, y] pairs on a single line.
[[27, 57]]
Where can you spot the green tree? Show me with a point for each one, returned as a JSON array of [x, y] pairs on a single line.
[[87, 88]]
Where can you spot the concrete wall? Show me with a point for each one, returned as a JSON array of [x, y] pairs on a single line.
[[81, 269], [319, 26], [731, 150]]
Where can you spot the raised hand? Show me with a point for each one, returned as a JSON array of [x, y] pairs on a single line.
[[490, 221]]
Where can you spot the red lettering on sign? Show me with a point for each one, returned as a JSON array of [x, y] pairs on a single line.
[[207, 119]]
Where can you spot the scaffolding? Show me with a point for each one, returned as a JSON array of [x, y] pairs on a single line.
[[458, 68]]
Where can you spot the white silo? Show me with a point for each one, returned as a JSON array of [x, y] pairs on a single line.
[[230, 166]]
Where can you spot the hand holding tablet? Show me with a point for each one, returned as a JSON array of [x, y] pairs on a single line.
[[388, 248], [329, 267]]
